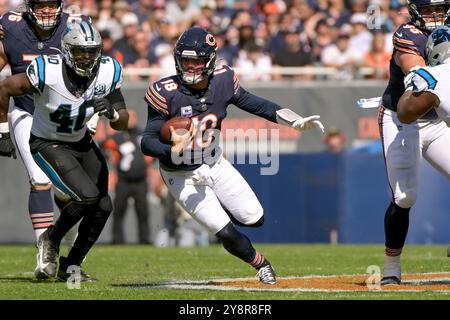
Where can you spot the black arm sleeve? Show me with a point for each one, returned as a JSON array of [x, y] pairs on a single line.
[[256, 105], [150, 144], [116, 99]]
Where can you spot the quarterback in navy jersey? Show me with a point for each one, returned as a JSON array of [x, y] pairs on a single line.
[[405, 144], [37, 31], [213, 192]]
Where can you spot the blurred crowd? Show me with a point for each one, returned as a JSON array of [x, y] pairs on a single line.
[[254, 36]]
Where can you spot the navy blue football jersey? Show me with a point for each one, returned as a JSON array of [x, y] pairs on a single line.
[[22, 45], [169, 97], [411, 40]]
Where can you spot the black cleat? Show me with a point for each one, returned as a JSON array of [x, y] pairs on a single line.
[[390, 280], [47, 255], [266, 275], [63, 275]]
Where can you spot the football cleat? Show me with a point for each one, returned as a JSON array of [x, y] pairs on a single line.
[[38, 273], [392, 271], [390, 280], [47, 254], [266, 275], [63, 275]]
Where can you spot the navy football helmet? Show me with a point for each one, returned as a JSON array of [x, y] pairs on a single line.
[[195, 55], [45, 19], [438, 46], [429, 14]]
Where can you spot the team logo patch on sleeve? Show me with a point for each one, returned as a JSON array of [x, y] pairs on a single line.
[[186, 111]]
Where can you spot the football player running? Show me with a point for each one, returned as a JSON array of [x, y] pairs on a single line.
[[28, 35], [404, 145], [68, 89], [210, 189]]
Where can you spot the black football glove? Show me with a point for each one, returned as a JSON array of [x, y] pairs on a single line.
[[7, 148], [105, 109]]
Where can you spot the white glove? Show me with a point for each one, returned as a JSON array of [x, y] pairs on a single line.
[[407, 81], [291, 119], [92, 123]]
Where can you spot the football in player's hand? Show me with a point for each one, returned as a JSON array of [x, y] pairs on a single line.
[[176, 123]]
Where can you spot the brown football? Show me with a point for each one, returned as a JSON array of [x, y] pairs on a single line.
[[176, 123]]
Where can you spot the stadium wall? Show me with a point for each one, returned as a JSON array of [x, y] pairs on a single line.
[[316, 197]]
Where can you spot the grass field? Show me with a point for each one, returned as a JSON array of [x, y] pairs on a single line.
[[124, 271]]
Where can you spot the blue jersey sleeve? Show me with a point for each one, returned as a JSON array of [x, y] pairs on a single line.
[[157, 98], [150, 144]]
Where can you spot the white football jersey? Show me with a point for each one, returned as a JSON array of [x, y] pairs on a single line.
[[435, 80], [59, 114]]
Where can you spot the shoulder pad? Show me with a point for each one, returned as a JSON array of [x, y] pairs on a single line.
[[158, 94]]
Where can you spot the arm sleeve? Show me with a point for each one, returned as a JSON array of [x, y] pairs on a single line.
[[256, 105], [409, 39], [118, 75], [150, 144]]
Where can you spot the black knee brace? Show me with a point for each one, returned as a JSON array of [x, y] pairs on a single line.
[[236, 243]]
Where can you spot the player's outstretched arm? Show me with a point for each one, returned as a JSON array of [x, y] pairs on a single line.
[[273, 112], [413, 105], [16, 85]]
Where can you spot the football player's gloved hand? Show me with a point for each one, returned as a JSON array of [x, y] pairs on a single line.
[[7, 148], [92, 123], [104, 108], [291, 119], [407, 81]]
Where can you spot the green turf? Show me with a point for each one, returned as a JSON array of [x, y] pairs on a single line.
[[121, 269]]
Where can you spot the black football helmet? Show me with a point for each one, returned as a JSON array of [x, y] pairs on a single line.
[[195, 55], [429, 14], [45, 21]]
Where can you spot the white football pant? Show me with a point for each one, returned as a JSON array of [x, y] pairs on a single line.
[[206, 191]]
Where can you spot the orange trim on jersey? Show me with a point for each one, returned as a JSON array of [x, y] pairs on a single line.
[[160, 97], [149, 101], [404, 50], [403, 40], [154, 99]]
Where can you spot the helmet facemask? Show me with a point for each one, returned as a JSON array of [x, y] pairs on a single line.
[[45, 14], [430, 17], [84, 60], [194, 69]]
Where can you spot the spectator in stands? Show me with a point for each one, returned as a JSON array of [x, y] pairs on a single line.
[[378, 58], [183, 13], [334, 141], [111, 21], [107, 43], [293, 54], [341, 57], [361, 41], [142, 9], [123, 49], [140, 44], [338, 15], [323, 37], [254, 65]]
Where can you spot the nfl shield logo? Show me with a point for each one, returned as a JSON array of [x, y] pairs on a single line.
[[186, 111]]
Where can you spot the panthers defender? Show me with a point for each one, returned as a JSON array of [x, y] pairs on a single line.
[[68, 89], [403, 145], [205, 183], [28, 35], [428, 86]]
